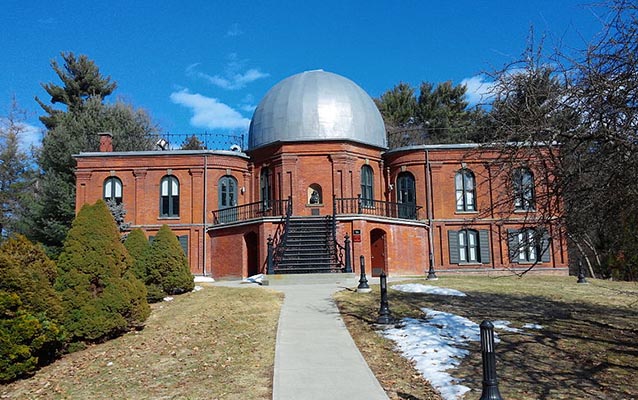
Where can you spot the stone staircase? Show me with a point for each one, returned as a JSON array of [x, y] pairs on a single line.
[[308, 247]]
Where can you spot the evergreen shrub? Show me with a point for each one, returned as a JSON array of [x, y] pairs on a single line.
[[167, 269], [138, 247], [30, 309], [101, 296]]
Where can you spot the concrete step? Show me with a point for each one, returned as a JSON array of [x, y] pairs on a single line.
[[347, 280]]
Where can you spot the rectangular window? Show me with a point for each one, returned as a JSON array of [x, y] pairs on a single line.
[[469, 246], [529, 245]]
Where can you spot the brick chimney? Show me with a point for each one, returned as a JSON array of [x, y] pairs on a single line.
[[106, 142]]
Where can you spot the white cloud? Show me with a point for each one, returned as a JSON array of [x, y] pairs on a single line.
[[28, 135], [231, 80], [234, 30], [478, 89], [209, 112], [248, 103]]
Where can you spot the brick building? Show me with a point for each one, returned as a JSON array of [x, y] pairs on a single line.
[[317, 184]]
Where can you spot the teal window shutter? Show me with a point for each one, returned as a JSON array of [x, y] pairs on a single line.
[[453, 243], [484, 245]]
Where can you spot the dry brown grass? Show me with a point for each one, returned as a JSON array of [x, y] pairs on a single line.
[[217, 343], [588, 348]]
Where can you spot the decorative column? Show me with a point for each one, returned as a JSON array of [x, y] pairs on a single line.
[[140, 190]]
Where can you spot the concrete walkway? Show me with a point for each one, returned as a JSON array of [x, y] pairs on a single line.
[[315, 357]]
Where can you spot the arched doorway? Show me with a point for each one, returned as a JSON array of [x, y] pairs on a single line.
[[406, 195], [378, 252], [227, 191], [251, 241]]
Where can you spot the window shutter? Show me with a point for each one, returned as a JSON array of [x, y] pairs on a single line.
[[453, 243], [484, 245], [546, 247], [183, 241], [512, 243]]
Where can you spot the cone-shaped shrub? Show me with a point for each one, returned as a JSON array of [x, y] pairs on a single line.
[[101, 296], [167, 265], [27, 271], [30, 309], [138, 247]]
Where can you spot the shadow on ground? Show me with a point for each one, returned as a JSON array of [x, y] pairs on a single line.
[[583, 351]]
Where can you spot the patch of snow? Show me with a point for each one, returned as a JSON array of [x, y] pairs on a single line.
[[197, 288], [437, 344], [504, 326], [420, 288], [202, 279], [435, 347], [258, 279], [168, 298]]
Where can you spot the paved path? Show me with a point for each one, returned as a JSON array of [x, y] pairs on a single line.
[[315, 357]]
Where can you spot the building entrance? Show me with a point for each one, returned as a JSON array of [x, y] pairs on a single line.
[[377, 252]]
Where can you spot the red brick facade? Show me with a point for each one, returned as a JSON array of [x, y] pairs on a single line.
[[401, 246]]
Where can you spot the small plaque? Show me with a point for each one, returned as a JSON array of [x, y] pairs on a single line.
[[356, 236]]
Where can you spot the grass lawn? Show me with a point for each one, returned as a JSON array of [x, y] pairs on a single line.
[[587, 349], [217, 343]]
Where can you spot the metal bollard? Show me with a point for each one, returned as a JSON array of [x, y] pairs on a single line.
[[385, 316], [363, 281], [490, 382]]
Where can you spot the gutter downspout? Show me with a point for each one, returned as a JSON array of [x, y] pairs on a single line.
[[430, 214], [204, 253]]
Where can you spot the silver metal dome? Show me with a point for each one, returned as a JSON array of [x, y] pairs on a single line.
[[316, 105]]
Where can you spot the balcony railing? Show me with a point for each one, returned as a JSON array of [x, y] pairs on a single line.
[[260, 209], [358, 205]]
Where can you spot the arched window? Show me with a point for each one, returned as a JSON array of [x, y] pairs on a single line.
[[406, 195], [227, 192], [465, 190], [113, 189], [264, 186], [523, 184], [169, 196], [367, 186]]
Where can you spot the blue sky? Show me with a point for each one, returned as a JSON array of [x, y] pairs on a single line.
[[204, 65]]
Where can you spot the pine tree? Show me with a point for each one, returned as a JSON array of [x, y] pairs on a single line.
[[81, 80], [72, 131], [16, 175], [167, 265], [192, 142], [101, 295]]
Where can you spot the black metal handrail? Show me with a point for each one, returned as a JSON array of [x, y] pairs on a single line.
[[259, 209], [359, 205], [280, 239]]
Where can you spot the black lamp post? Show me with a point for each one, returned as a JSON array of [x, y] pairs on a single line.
[[385, 316], [363, 281], [431, 275], [270, 261], [346, 244], [581, 272]]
